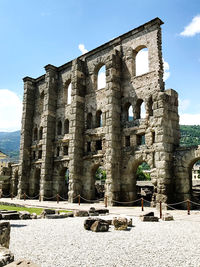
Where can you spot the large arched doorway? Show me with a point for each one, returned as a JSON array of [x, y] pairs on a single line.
[[97, 184], [194, 174], [144, 186], [15, 184], [34, 189], [63, 183], [100, 179]]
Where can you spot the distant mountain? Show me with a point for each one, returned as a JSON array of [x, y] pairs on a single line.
[[10, 143], [190, 135]]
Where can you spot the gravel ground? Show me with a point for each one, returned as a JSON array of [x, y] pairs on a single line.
[[65, 242]]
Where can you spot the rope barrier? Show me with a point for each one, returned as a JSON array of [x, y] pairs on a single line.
[[32, 197], [128, 202], [5, 195], [91, 199], [173, 204], [48, 198], [65, 199], [195, 203]]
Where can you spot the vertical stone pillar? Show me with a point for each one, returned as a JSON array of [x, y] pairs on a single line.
[[26, 135], [167, 139], [76, 129], [49, 124], [113, 133]]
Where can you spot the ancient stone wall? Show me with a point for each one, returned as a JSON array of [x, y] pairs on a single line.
[[70, 127]]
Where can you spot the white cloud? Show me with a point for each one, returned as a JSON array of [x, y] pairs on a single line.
[[190, 119], [82, 48], [193, 28], [166, 74], [10, 111]]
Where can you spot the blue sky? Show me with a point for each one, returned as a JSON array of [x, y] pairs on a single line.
[[34, 33]]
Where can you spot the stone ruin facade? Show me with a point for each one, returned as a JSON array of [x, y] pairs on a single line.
[[94, 129]]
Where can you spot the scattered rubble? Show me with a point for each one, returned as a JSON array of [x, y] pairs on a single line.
[[149, 217], [167, 217], [22, 263], [96, 225], [5, 255]]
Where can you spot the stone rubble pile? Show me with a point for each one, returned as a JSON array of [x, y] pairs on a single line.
[[5, 255], [149, 217]]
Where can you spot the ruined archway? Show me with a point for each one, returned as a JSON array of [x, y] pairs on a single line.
[[15, 183], [144, 186], [131, 185], [63, 183], [34, 183], [185, 159]]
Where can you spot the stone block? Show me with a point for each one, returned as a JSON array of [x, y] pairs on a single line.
[[120, 223], [167, 217], [33, 216], [24, 215], [6, 256], [11, 216], [22, 263], [81, 213], [149, 219], [99, 226], [5, 234]]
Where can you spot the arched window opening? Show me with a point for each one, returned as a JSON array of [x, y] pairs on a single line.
[[130, 113], [195, 174], [69, 93], [40, 133], [142, 62], [101, 78], [144, 186], [59, 128], [66, 126], [140, 109], [89, 121], [99, 118], [35, 134], [99, 182], [41, 103]]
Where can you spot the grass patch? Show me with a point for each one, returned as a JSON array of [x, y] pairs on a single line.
[[66, 211], [38, 211]]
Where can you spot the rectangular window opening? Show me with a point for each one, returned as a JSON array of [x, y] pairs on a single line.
[[98, 145], [40, 154], [65, 150], [140, 139]]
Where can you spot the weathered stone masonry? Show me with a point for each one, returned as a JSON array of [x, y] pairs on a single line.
[[57, 136]]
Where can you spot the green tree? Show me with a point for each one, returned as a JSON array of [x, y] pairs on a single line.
[[100, 174]]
